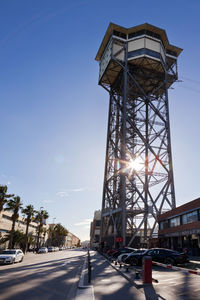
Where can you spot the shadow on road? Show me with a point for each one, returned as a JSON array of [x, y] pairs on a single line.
[[45, 280]]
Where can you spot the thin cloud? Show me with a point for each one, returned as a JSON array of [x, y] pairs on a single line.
[[77, 190], [47, 201], [62, 194], [85, 222], [65, 193]]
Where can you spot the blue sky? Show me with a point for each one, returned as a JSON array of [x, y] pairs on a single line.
[[54, 115]]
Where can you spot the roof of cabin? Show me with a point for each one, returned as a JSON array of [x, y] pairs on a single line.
[[124, 30]]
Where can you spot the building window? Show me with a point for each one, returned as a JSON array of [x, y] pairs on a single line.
[[21, 222], [3, 230], [7, 217], [98, 222], [119, 34], [190, 217], [164, 224], [174, 222]]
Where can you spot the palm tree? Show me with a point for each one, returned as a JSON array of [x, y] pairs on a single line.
[[40, 218], [59, 235], [13, 205], [29, 212], [44, 231], [4, 196], [18, 238]]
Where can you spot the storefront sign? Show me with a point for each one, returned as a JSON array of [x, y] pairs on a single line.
[[181, 233], [119, 239]]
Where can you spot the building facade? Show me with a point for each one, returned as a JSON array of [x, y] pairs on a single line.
[[75, 241], [6, 224], [179, 228], [95, 229]]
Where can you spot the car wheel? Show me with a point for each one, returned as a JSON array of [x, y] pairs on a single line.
[[170, 261], [123, 258], [134, 261], [21, 259], [13, 261]]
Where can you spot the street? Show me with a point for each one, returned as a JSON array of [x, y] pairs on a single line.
[[49, 276]]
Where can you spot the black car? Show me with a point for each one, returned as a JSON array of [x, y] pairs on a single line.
[[161, 255], [122, 250]]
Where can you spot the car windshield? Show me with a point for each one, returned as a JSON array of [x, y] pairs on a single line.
[[145, 251], [8, 252]]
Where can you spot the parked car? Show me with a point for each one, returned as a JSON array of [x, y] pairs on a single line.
[[10, 256], [161, 255], [51, 249], [43, 250], [121, 258], [122, 250]]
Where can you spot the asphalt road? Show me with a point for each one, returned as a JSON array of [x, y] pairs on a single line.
[[46, 276]]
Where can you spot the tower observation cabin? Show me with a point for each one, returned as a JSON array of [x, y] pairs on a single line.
[[147, 46], [137, 65]]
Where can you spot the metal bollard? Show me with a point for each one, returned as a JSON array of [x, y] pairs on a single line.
[[89, 268], [147, 269], [137, 275]]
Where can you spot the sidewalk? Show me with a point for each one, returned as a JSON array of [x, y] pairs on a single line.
[[106, 283], [109, 282]]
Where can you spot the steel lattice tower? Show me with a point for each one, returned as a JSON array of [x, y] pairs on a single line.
[[137, 66]]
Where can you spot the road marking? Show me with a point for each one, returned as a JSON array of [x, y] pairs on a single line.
[[106, 280]]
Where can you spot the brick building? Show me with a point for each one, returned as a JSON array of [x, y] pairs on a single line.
[[179, 228]]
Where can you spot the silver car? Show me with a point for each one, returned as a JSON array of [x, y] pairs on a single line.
[[10, 256], [43, 250]]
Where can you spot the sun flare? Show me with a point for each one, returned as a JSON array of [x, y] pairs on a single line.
[[135, 164]]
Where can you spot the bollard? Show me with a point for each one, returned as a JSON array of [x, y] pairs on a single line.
[[89, 268], [147, 269], [137, 275]]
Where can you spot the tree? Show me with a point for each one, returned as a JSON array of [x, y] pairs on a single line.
[[40, 218], [13, 205], [4, 196], [18, 238], [44, 231], [59, 234], [29, 212]]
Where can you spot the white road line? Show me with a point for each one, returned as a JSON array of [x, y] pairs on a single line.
[[106, 280]]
